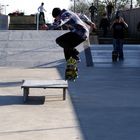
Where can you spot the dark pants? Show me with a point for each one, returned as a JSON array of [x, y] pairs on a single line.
[[118, 47], [109, 15], [92, 17], [41, 17], [105, 30], [68, 42]]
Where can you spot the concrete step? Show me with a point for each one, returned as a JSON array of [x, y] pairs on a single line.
[[108, 40]]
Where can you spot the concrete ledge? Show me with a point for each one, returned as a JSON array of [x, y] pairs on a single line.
[[27, 84], [22, 19]]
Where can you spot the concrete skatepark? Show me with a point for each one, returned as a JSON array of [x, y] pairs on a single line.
[[103, 103]]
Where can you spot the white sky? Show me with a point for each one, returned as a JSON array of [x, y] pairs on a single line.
[[30, 6]]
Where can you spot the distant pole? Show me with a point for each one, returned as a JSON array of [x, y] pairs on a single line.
[[37, 21], [0, 8], [131, 5], [115, 5], [74, 5], [97, 10], [5, 7]]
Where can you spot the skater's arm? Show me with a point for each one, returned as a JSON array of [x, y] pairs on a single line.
[[38, 9], [125, 24], [86, 20], [55, 25], [44, 10]]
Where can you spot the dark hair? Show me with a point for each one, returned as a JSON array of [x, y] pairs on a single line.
[[56, 12], [117, 17]]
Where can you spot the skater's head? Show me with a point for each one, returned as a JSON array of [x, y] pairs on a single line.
[[56, 12], [117, 17]]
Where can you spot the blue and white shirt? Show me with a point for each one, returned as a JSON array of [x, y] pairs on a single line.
[[74, 23]]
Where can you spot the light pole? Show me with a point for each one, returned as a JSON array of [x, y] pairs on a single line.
[[97, 2], [131, 5], [74, 5], [0, 9], [5, 7]]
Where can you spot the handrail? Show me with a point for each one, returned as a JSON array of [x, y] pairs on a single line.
[[37, 21]]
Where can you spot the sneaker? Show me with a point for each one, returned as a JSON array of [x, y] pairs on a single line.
[[77, 58], [75, 51], [121, 58], [114, 56]]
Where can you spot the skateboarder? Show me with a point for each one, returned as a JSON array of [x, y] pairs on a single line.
[[41, 11], [78, 32], [92, 10], [118, 27], [104, 24]]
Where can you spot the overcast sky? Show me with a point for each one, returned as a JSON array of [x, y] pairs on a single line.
[[30, 6]]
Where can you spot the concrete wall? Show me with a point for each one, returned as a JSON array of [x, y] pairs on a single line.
[[4, 22], [132, 17], [23, 19]]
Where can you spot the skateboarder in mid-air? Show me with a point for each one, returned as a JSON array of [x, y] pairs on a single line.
[[78, 32]]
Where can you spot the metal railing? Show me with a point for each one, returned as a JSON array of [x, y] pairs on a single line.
[[37, 21]]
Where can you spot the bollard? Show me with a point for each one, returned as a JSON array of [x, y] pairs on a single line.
[[88, 55], [37, 21]]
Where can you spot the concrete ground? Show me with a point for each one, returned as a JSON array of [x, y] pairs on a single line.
[[103, 103]]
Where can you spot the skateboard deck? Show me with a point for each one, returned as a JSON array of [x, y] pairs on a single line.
[[71, 72], [114, 56]]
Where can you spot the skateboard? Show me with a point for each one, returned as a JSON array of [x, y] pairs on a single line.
[[71, 72], [114, 56]]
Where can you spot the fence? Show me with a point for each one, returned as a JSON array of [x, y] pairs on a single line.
[[132, 17]]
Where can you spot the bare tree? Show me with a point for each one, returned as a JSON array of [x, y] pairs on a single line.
[[80, 7], [138, 3]]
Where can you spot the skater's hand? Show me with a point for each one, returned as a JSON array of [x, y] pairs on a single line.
[[93, 25], [122, 20]]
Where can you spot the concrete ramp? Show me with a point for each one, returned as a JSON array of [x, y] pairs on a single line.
[[12, 35], [30, 48]]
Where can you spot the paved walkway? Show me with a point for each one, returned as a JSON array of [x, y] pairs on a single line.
[[103, 104]]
